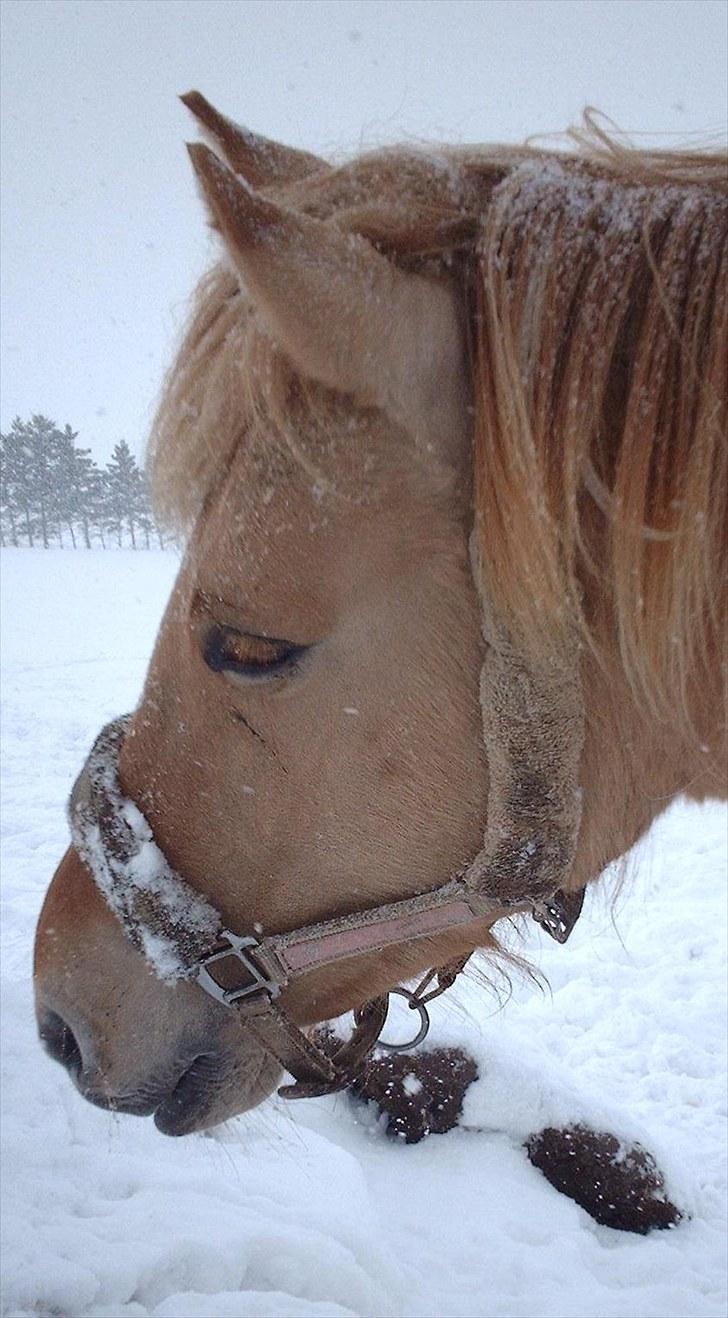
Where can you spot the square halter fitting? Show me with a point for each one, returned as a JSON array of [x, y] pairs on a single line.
[[257, 979]]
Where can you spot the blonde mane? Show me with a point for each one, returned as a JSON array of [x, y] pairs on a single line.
[[595, 283]]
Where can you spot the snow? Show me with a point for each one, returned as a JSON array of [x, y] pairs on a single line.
[[183, 923], [411, 1085], [307, 1209]]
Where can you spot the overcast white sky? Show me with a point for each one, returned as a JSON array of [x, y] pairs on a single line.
[[103, 232]]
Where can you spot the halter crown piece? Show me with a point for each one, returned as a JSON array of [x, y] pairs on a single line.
[[182, 936]]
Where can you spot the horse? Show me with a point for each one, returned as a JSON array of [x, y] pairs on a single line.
[[444, 439]]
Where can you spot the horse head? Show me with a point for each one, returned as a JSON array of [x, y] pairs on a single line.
[[339, 714]]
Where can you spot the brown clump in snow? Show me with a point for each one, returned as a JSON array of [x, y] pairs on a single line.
[[419, 1093], [619, 1186]]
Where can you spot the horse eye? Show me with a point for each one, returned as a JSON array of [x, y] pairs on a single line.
[[253, 658]]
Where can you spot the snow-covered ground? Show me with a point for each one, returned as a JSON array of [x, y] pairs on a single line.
[[307, 1209]]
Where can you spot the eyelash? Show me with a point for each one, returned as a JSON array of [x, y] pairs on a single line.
[[258, 658]]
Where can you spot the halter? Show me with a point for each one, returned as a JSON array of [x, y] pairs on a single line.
[[182, 936]]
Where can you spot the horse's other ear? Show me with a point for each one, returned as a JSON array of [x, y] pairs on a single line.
[[258, 159], [342, 313]]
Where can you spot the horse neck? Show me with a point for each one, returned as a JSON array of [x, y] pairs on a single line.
[[635, 764]]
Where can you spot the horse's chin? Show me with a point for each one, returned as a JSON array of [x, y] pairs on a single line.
[[214, 1089]]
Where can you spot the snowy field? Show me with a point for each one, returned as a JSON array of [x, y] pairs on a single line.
[[308, 1209]]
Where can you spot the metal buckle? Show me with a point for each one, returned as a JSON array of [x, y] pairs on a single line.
[[560, 913], [238, 948], [415, 1004]]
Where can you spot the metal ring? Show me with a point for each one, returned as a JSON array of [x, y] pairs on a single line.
[[415, 1005]]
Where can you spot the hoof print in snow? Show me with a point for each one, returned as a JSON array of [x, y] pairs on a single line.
[[620, 1186], [419, 1094]]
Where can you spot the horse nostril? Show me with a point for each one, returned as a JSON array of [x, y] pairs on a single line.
[[59, 1042]]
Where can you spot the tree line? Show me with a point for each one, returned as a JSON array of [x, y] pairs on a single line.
[[53, 493]]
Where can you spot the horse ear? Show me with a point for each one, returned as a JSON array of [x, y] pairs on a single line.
[[341, 312], [259, 160]]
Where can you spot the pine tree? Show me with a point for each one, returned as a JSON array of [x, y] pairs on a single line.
[[26, 480], [91, 493], [138, 502], [41, 440], [124, 491], [145, 515], [66, 494], [10, 482]]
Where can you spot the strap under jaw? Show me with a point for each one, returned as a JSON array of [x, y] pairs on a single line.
[[271, 962], [267, 973]]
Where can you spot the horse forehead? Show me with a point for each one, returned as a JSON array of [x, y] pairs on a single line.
[[276, 503], [275, 519], [320, 527], [277, 545]]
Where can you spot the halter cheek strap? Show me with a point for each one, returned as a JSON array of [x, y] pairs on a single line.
[[182, 935]]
